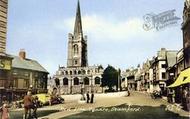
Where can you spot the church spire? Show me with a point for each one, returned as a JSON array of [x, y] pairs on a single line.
[[78, 22]]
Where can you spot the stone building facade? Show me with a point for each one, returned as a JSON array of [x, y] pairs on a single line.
[[186, 34], [3, 24], [78, 77], [18, 74]]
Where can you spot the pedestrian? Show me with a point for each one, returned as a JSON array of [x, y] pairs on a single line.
[[188, 101], [92, 98], [35, 105], [88, 97], [184, 97], [5, 112], [27, 105]]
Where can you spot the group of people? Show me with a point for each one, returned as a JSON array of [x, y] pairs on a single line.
[[30, 106], [88, 98]]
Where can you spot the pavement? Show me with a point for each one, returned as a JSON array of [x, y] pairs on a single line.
[[136, 98]]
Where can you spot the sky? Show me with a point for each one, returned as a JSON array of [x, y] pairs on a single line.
[[114, 30]]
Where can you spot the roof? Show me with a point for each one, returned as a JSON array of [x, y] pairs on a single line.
[[171, 58], [28, 64]]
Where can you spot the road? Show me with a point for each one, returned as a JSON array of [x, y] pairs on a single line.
[[142, 101]]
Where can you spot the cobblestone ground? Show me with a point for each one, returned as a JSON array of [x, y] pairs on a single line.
[[136, 98]]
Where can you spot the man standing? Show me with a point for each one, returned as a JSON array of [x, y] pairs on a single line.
[[88, 97], [184, 97], [92, 98], [27, 105]]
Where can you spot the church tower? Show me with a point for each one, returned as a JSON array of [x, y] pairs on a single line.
[[77, 44]]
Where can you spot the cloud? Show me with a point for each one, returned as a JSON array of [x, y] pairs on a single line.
[[102, 28]]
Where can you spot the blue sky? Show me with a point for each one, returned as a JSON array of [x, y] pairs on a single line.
[[114, 30]]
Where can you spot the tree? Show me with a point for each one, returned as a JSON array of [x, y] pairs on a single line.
[[110, 77]]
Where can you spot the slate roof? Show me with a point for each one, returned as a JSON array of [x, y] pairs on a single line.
[[171, 58], [28, 64]]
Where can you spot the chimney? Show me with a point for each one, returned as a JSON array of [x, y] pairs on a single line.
[[22, 54]]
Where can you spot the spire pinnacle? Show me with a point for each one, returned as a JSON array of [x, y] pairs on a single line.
[[78, 21]]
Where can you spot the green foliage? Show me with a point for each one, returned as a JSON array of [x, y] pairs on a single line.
[[110, 77]]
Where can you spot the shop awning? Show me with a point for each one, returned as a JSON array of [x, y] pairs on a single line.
[[187, 80], [183, 78]]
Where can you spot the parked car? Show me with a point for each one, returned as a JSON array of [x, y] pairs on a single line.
[[56, 100], [43, 98]]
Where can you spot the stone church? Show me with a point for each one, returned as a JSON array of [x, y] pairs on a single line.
[[78, 77]]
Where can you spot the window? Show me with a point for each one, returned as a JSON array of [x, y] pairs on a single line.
[[163, 75], [66, 72], [57, 82], [71, 72], [76, 81], [25, 83], [75, 72], [163, 65], [97, 80], [88, 71], [86, 81], [65, 81], [83, 72], [79, 72], [76, 50], [75, 62]]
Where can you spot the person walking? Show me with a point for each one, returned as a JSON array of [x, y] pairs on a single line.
[[35, 105], [5, 112], [88, 97], [27, 105], [184, 97], [92, 98]]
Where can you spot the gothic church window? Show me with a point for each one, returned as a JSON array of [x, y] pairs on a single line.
[[79, 72], [76, 49], [75, 62], [66, 72], [65, 81], [88, 71], [76, 81], [71, 72], [75, 72], [57, 82], [86, 81], [97, 80]]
